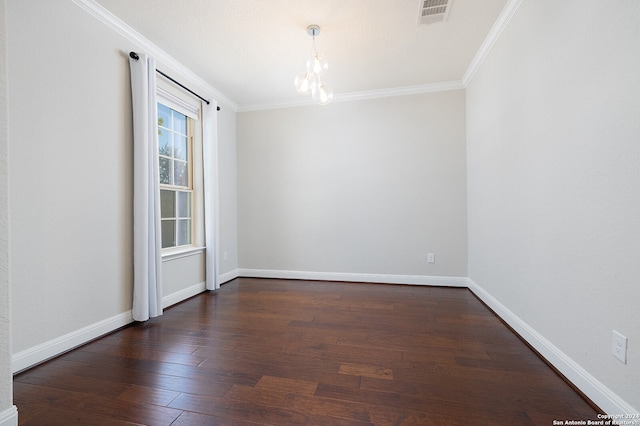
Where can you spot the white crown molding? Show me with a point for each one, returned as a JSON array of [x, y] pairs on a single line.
[[601, 395], [400, 91], [112, 21], [352, 277], [185, 75], [358, 96], [498, 27], [501, 23]]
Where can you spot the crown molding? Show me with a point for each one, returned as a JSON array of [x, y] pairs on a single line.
[[400, 91], [359, 96], [188, 76], [116, 24], [498, 27], [501, 23]]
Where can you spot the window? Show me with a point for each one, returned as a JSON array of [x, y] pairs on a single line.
[[180, 164], [175, 146]]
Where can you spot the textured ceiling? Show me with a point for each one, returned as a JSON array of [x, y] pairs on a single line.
[[251, 50]]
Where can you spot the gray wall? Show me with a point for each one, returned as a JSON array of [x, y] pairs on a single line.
[[6, 385], [71, 177], [227, 189], [553, 157], [367, 186]]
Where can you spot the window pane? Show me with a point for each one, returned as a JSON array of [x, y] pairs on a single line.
[[165, 170], [184, 232], [164, 142], [180, 147], [181, 173], [179, 123], [164, 116], [184, 204], [167, 203], [168, 233], [175, 201]]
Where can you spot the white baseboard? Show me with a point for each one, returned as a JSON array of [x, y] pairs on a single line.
[[184, 294], [46, 350], [601, 395], [228, 276], [9, 417], [607, 400], [351, 277], [42, 352]]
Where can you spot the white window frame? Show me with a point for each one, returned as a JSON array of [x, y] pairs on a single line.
[[182, 102]]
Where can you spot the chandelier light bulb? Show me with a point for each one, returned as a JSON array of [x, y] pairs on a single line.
[[317, 64], [303, 83], [322, 93]]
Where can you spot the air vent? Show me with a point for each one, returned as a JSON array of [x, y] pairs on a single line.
[[434, 11]]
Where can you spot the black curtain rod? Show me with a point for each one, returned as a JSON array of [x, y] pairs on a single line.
[[135, 56]]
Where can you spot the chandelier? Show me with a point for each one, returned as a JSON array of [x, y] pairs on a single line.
[[309, 81]]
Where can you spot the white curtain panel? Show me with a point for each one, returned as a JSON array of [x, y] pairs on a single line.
[[209, 151], [147, 259]]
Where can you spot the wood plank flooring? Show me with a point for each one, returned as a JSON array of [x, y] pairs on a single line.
[[279, 352]]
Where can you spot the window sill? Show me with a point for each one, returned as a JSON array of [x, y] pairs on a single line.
[[180, 252]]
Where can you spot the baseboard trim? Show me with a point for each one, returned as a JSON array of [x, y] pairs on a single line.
[[228, 276], [183, 294], [27, 358], [592, 388], [44, 351], [9, 417], [351, 277]]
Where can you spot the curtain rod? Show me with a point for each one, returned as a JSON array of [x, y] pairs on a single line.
[[135, 56]]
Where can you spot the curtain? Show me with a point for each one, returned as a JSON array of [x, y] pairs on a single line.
[[209, 141], [147, 260]]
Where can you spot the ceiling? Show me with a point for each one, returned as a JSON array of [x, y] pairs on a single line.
[[251, 50]]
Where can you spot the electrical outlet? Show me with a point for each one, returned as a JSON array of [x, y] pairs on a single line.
[[225, 256], [619, 346], [431, 258]]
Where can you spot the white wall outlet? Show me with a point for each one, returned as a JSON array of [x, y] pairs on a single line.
[[225, 256], [431, 258], [619, 346]]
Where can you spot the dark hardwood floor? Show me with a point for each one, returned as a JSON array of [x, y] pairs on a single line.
[[284, 352]]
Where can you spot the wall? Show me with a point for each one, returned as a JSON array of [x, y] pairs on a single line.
[[363, 187], [8, 414], [227, 190], [554, 184], [71, 178]]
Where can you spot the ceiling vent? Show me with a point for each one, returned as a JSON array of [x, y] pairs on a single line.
[[434, 11]]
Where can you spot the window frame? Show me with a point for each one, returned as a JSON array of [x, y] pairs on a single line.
[[183, 103]]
